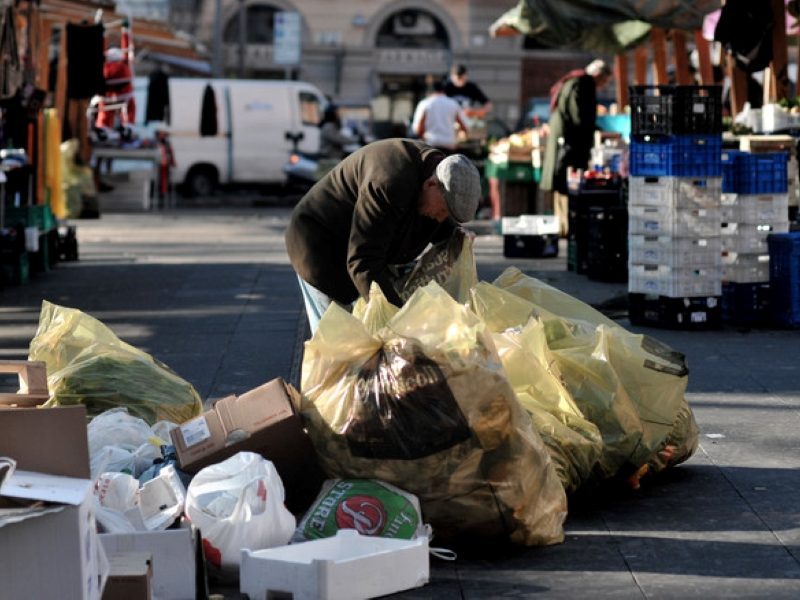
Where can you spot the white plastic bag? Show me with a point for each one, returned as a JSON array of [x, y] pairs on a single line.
[[237, 504], [121, 442]]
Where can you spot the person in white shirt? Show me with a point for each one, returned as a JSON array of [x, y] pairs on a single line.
[[436, 119]]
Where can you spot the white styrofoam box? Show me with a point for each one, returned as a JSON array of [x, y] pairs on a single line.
[[676, 192], [348, 566], [174, 564], [673, 251], [755, 208], [745, 268], [674, 282], [530, 225], [677, 222]]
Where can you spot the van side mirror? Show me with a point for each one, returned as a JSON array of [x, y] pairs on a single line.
[[294, 137]]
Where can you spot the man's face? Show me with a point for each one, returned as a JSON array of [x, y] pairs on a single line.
[[460, 80], [431, 201]]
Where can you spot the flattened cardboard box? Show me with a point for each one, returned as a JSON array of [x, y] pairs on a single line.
[[266, 419]]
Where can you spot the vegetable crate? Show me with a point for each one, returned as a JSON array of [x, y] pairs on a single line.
[[701, 312], [784, 277], [678, 155], [763, 173], [607, 245], [746, 303], [675, 109]]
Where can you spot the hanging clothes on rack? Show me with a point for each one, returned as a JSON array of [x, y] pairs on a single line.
[[157, 97], [208, 112], [85, 58], [10, 64]]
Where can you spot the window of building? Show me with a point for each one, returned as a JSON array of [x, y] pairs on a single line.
[[260, 28], [412, 29], [310, 109]]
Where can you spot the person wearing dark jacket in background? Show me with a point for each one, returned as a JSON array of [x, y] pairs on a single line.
[[332, 141], [467, 93], [381, 206], [573, 110]]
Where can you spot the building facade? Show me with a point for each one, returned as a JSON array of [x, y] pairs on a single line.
[[381, 53]]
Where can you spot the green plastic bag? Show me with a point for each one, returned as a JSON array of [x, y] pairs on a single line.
[[87, 364]]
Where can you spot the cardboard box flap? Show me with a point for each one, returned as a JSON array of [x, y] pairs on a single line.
[[255, 409], [28, 485], [9, 516]]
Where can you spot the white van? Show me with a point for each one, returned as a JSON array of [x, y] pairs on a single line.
[[257, 121]]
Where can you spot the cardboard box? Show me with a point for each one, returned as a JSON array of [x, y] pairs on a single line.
[[46, 440], [174, 553], [130, 576], [263, 420], [50, 546]]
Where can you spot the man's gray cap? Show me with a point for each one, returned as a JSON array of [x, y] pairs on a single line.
[[461, 186]]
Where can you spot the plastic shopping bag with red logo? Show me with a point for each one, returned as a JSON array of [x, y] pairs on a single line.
[[369, 506], [237, 504]]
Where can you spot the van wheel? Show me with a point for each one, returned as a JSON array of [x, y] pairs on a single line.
[[200, 182]]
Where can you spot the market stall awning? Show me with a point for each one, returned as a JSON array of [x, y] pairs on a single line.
[[599, 25]]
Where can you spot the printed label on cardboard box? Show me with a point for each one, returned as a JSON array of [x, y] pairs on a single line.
[[195, 431]]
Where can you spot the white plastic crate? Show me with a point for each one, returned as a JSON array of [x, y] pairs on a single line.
[[348, 566], [674, 282], [673, 251], [676, 192], [755, 208], [749, 238], [530, 225], [675, 222], [745, 268]]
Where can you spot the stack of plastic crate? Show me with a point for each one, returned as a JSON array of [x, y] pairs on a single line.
[[674, 210], [755, 203]]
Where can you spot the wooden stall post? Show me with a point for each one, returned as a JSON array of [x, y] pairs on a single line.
[[640, 65], [658, 39], [704, 58], [680, 57], [780, 58], [621, 75]]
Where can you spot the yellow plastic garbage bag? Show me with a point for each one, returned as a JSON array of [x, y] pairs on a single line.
[[425, 405], [87, 364], [574, 443], [451, 264], [629, 385]]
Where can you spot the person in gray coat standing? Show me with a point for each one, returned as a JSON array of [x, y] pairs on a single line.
[[573, 110]]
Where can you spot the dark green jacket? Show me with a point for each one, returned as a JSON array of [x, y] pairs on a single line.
[[574, 120], [362, 217]]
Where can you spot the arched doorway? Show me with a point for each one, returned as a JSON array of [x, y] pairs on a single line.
[[413, 49]]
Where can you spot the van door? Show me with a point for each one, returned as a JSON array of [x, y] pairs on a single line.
[[260, 112]]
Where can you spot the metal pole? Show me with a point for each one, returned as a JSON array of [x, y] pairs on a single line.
[[242, 36], [217, 38]]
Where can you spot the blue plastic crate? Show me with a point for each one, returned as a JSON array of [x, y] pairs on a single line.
[[676, 155], [761, 173], [784, 277]]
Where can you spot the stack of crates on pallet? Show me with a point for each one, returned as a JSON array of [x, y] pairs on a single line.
[[784, 278], [674, 206], [755, 203]]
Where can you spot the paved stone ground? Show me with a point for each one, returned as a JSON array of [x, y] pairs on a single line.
[[207, 289]]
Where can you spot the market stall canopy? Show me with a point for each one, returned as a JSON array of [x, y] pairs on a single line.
[[599, 25]]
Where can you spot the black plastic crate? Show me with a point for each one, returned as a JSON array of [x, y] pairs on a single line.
[[784, 277], [746, 303], [578, 207], [607, 244], [700, 312], [530, 246], [675, 109]]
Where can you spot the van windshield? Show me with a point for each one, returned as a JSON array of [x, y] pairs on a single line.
[[310, 109]]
